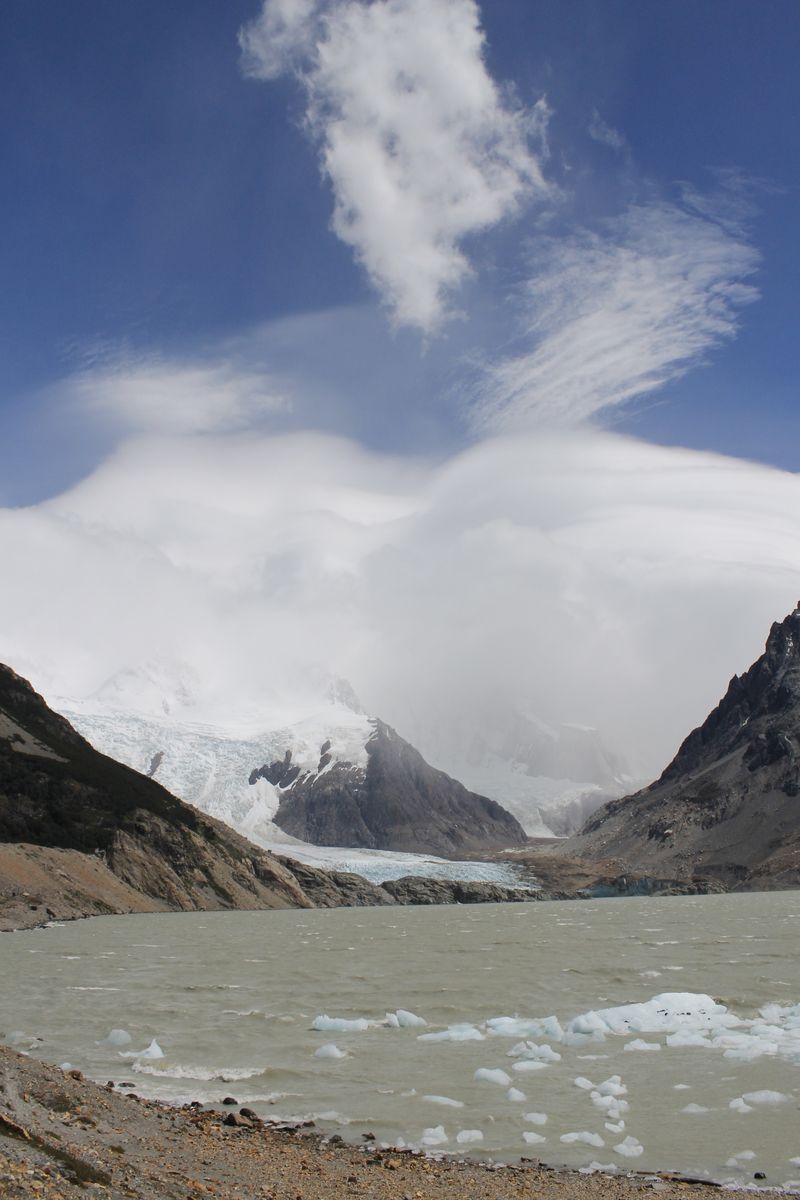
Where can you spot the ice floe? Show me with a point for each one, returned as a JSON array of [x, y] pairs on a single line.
[[329, 1050], [117, 1037], [492, 1075], [434, 1137], [584, 1136], [326, 1024], [465, 1136], [454, 1033], [403, 1019], [629, 1147]]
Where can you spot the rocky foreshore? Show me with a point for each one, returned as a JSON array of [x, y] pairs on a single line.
[[63, 1137]]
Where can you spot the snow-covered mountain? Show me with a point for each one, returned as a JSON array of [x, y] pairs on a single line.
[[152, 721], [329, 774], [160, 719]]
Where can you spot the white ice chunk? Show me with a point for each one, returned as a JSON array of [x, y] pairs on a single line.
[[615, 1126], [588, 1139], [549, 1027], [526, 1065], [576, 1039], [736, 1160], [640, 1044], [611, 1106], [739, 1105], [329, 1050], [532, 1139], [613, 1086], [434, 1137], [326, 1024], [536, 1118], [692, 1109], [150, 1052], [688, 1037], [665, 1013], [409, 1020], [444, 1100], [530, 1051], [492, 1075], [454, 1033], [117, 1037], [464, 1136], [765, 1097], [629, 1147], [515, 1095], [582, 1082]]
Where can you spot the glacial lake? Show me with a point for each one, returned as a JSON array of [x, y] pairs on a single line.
[[647, 1034]]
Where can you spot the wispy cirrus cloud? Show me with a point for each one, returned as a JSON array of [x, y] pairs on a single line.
[[151, 394], [616, 313], [419, 156]]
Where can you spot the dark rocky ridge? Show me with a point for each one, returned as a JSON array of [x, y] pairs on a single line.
[[727, 807], [81, 835], [398, 802]]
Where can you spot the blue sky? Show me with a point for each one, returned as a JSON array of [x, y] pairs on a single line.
[[157, 202]]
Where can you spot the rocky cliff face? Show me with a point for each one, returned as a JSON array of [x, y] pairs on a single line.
[[728, 806], [394, 802]]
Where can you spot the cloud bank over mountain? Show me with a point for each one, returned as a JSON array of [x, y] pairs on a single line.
[[584, 578]]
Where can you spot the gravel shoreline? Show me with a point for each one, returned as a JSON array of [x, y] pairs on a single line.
[[63, 1137]]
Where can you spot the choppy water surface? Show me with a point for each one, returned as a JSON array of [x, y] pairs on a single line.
[[231, 999]]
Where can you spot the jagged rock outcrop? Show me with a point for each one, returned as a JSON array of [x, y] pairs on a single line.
[[396, 802], [727, 807]]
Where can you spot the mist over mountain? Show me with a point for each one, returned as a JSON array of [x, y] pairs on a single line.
[[579, 582], [726, 807]]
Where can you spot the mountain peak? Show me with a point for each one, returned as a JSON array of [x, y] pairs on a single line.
[[726, 806], [769, 688]]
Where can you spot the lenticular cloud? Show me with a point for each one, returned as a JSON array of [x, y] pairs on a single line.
[[587, 579]]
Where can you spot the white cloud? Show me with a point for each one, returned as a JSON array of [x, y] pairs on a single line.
[[614, 315], [585, 578], [601, 131], [155, 395], [282, 35], [420, 146]]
